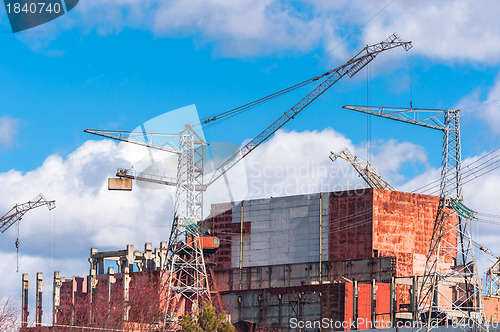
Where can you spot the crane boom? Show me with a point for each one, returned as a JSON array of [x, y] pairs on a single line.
[[364, 169], [152, 178], [350, 68], [18, 211], [424, 117], [143, 139]]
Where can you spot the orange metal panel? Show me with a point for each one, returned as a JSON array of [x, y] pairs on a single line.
[[402, 228], [383, 308], [349, 305], [364, 306], [492, 309]]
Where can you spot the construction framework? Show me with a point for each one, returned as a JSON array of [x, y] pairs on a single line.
[[364, 169], [19, 210], [493, 280], [189, 283], [451, 238]]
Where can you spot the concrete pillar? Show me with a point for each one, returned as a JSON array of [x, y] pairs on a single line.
[[100, 266], [148, 257], [130, 257], [355, 291], [92, 260], [111, 281], [374, 302], [39, 308], [413, 298], [24, 311], [126, 294], [393, 301], [56, 296], [161, 256], [92, 284]]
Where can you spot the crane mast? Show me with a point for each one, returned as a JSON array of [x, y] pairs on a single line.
[[188, 282]]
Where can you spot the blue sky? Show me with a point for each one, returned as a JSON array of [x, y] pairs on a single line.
[[58, 80], [116, 64]]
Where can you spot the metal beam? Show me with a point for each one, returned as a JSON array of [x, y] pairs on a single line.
[[158, 141], [350, 68], [424, 117]]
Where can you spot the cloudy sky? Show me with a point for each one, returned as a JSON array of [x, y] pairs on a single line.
[[119, 64]]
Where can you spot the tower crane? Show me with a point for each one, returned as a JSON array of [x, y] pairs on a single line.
[[188, 283], [451, 238], [364, 169], [18, 211]]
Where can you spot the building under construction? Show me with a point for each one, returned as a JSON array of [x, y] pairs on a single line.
[[360, 259], [348, 256]]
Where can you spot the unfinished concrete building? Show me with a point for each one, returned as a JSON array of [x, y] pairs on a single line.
[[344, 256]]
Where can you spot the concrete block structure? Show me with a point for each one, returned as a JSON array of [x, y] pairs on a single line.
[[345, 256], [340, 255]]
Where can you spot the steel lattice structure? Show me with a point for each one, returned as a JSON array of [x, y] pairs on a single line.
[[493, 280], [364, 169], [18, 211], [185, 271], [450, 291], [189, 283]]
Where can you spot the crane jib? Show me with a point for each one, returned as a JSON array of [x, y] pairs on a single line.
[[350, 68]]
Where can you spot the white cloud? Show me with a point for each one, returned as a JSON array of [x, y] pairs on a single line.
[[86, 215], [487, 110], [456, 30], [8, 130], [298, 162]]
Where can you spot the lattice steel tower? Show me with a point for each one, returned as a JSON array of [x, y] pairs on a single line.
[[450, 289]]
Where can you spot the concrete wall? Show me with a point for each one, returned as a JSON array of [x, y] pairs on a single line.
[[282, 230], [296, 275]]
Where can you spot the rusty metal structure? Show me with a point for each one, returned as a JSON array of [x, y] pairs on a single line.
[[364, 169], [451, 289]]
